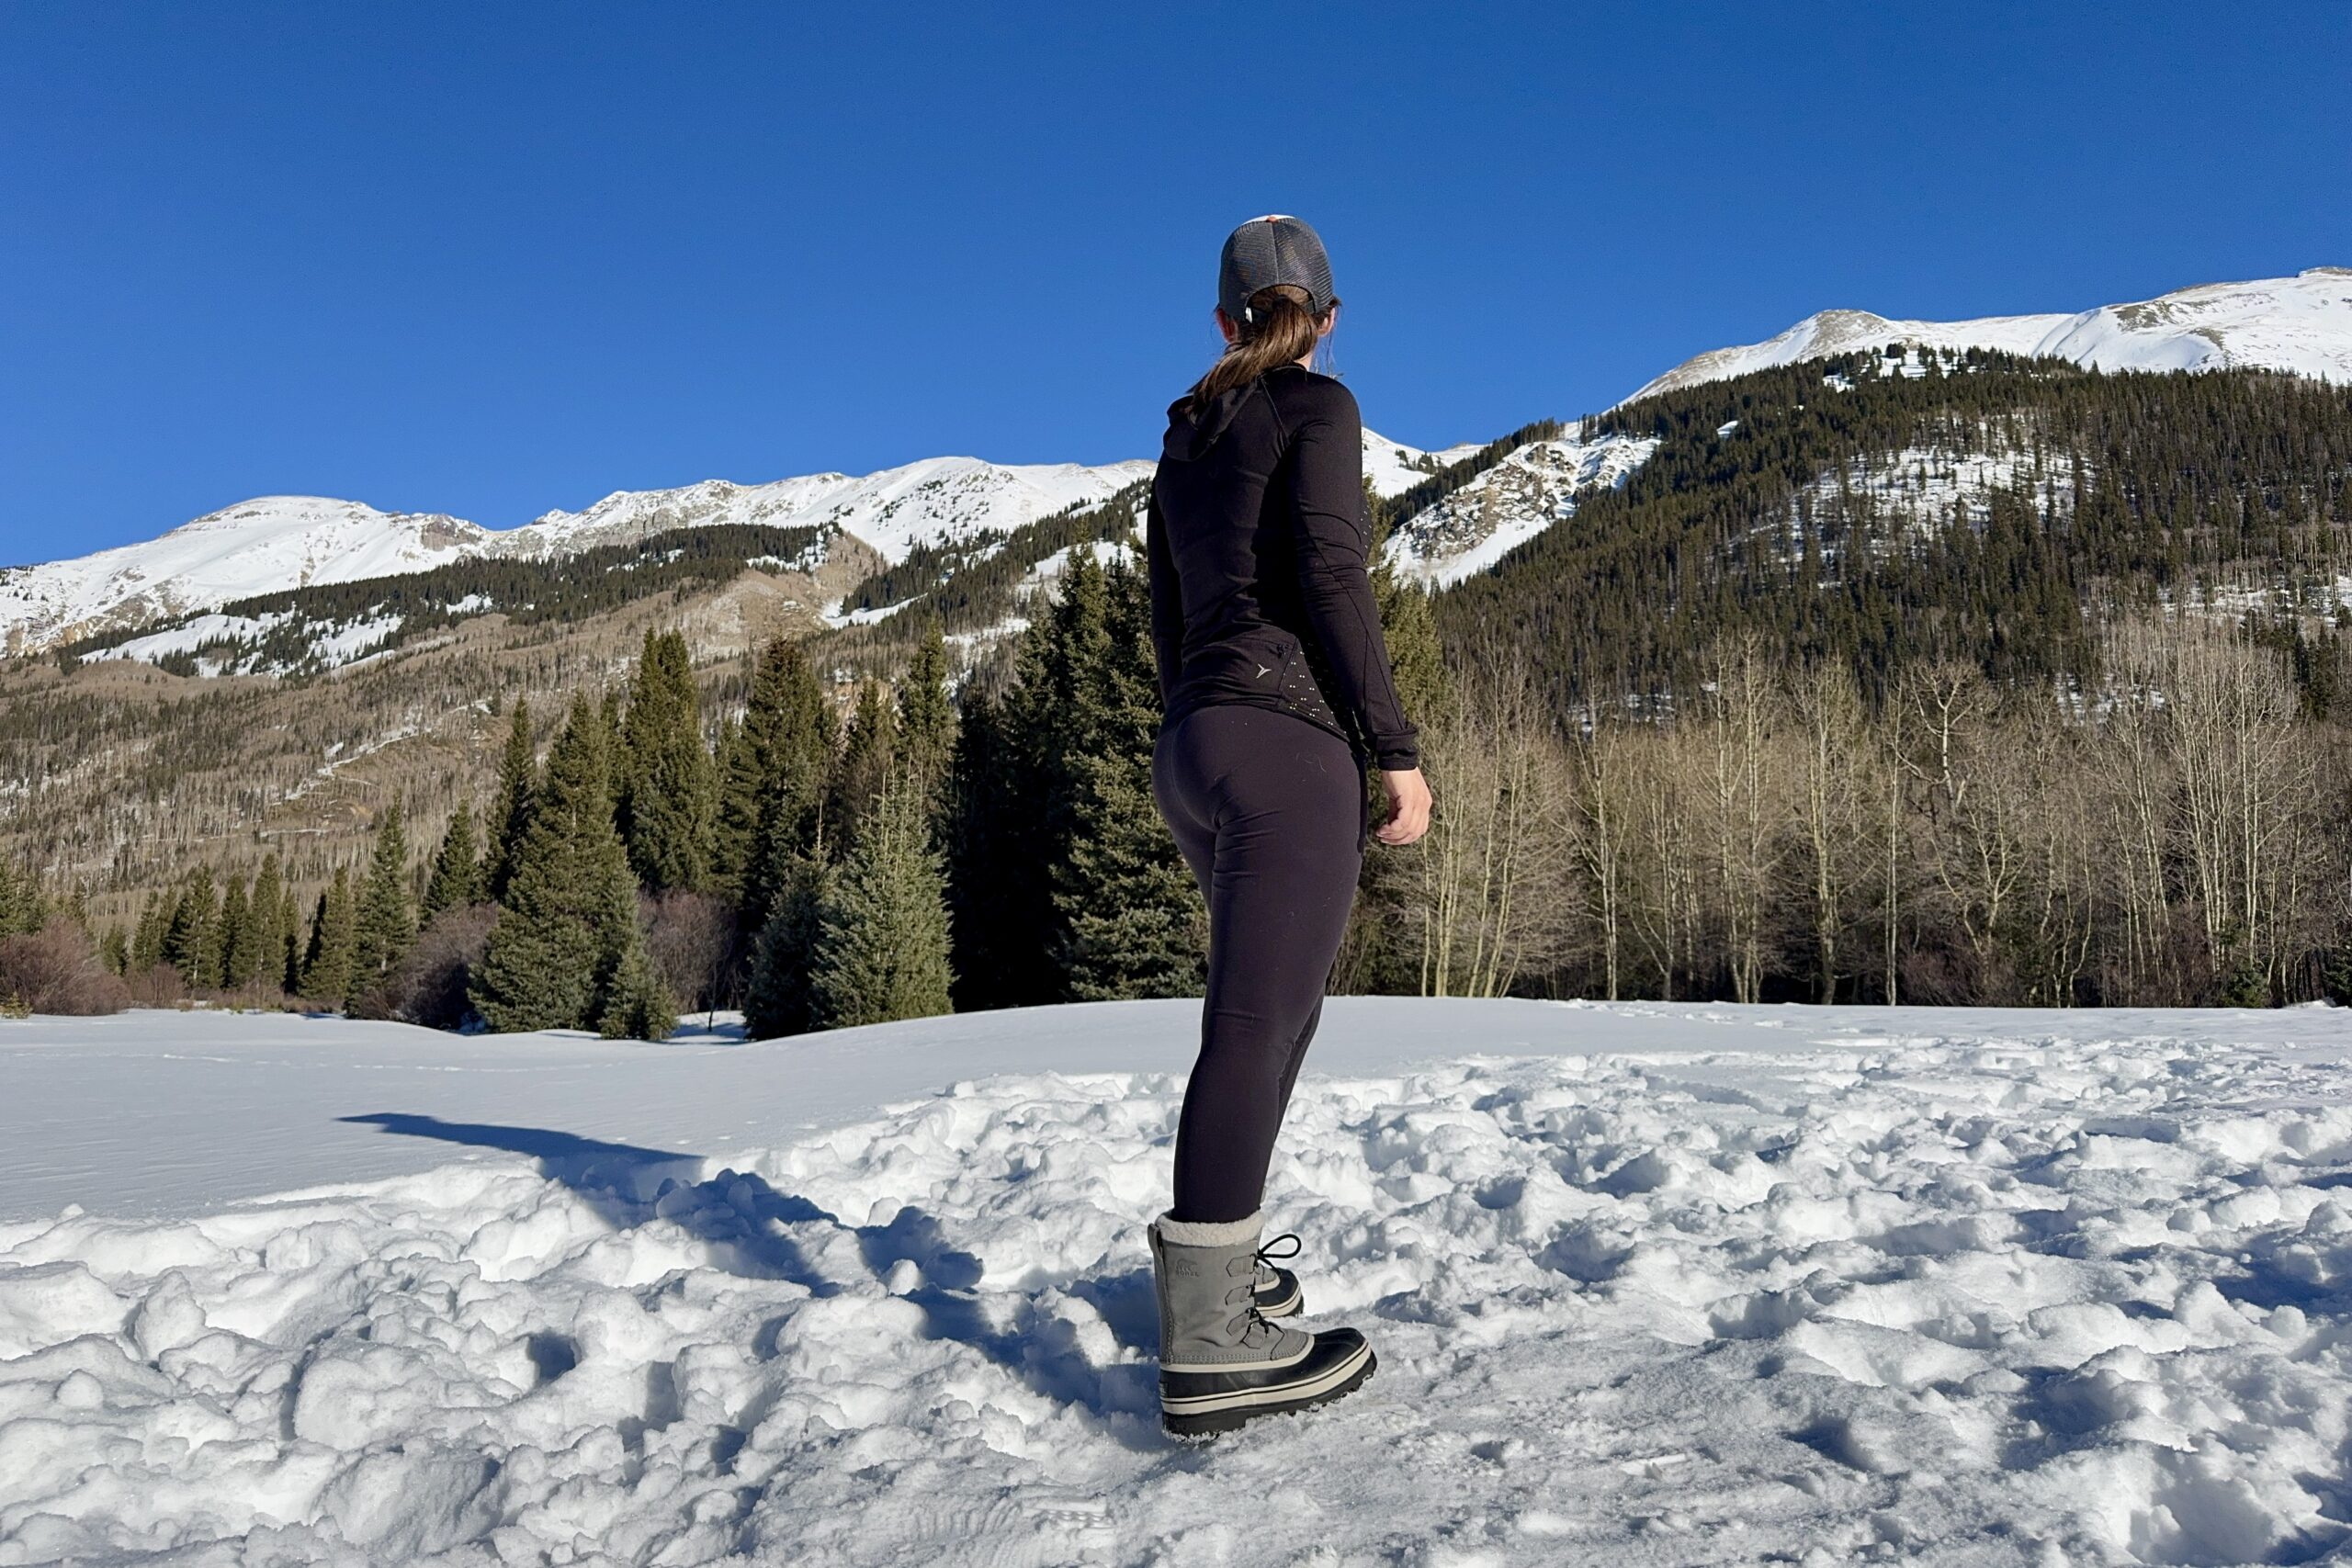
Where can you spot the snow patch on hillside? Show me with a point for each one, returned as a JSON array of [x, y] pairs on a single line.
[[2301, 325], [1810, 1285], [1391, 468], [1510, 503]]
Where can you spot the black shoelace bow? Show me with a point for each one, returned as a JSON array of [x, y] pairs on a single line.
[[1269, 1257]]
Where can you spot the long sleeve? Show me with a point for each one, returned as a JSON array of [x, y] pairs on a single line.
[[1166, 602], [1333, 545]]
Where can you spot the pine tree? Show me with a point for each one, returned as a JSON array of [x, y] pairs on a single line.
[[510, 813], [778, 999], [21, 910], [638, 1006], [1128, 910], [456, 878], [326, 966], [991, 847], [1376, 956], [192, 939], [235, 934], [793, 744], [666, 787], [881, 950], [290, 939], [383, 924], [926, 719], [261, 946], [864, 768], [113, 950], [569, 921], [147, 939]]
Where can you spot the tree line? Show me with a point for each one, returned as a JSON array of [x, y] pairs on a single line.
[[1764, 725]]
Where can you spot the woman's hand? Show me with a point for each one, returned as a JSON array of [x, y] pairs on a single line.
[[1408, 805]]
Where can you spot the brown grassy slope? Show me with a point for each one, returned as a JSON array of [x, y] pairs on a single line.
[[117, 777]]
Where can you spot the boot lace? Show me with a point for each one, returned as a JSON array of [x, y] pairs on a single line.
[[1263, 1266]]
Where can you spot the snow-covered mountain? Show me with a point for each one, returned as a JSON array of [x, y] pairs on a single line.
[[2302, 325], [1509, 504], [276, 543], [256, 546], [935, 502]]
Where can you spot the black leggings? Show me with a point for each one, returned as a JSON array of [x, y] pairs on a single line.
[[1269, 811]]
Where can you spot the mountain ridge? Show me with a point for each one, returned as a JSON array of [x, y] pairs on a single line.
[[2301, 325]]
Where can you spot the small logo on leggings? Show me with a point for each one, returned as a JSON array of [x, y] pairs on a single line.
[[1265, 669]]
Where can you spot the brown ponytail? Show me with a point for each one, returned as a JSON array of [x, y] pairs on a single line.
[[1281, 330]]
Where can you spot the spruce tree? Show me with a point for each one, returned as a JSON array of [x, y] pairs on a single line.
[[1010, 805], [778, 999], [290, 939], [147, 939], [881, 950], [1129, 913], [569, 924], [991, 845], [383, 923], [456, 878], [326, 966], [793, 745], [236, 934], [21, 910], [926, 719], [510, 813], [192, 939], [638, 1006], [863, 770], [261, 945], [666, 787], [113, 950], [1378, 955]]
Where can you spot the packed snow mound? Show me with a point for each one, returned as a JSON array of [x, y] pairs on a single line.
[[1813, 1286], [256, 546], [1509, 504], [2301, 325]]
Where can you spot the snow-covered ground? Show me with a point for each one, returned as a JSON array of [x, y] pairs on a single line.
[[1650, 1283]]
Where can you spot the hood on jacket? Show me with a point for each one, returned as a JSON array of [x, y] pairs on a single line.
[[1187, 439]]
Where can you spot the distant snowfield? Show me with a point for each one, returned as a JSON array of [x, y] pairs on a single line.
[[1651, 1283]]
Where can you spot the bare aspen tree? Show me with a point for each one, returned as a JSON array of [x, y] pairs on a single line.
[[1976, 807], [2233, 713], [1661, 894], [2132, 752], [1742, 821], [1597, 845], [1829, 799], [1491, 865]]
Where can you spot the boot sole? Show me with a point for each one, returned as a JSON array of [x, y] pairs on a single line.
[[1208, 1415]]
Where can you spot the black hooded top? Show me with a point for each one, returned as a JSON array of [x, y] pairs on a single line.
[[1257, 543]]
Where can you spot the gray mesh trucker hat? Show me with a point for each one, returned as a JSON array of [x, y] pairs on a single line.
[[1266, 251]]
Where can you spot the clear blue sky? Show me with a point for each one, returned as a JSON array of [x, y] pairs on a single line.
[[494, 259]]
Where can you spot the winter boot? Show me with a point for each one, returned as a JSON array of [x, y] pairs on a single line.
[[1276, 1291], [1221, 1362]]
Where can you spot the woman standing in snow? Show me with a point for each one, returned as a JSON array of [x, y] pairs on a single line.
[[1277, 691]]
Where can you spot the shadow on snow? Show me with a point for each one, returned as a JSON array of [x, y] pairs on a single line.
[[749, 1228]]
